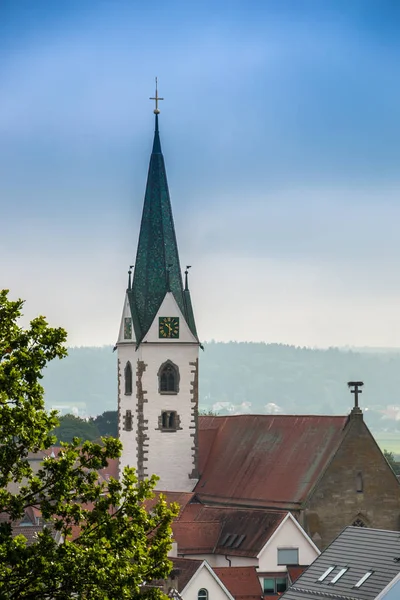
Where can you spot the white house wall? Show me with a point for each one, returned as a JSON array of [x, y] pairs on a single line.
[[288, 535]]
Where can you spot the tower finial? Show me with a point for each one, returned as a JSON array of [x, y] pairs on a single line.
[[186, 277], [129, 277], [156, 98]]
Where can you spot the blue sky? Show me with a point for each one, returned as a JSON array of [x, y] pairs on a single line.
[[280, 129]]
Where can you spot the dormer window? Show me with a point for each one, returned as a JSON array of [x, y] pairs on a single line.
[[168, 378]]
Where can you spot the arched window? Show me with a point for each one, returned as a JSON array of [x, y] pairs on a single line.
[[168, 419], [359, 483], [128, 379], [202, 594], [168, 378]]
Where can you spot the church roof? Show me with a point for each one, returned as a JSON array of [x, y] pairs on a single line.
[[264, 460], [157, 268]]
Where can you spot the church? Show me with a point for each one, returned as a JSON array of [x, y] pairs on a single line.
[[327, 471]]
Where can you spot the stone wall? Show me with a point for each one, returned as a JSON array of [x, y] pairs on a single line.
[[357, 487]]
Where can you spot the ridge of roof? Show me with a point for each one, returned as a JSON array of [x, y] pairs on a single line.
[[274, 416]]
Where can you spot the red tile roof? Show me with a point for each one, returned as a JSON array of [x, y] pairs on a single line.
[[295, 572], [196, 538], [266, 460], [222, 530], [242, 582]]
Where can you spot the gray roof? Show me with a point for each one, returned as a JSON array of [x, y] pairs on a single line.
[[360, 551]]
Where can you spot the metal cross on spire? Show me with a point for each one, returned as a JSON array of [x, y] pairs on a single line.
[[356, 385], [156, 98]]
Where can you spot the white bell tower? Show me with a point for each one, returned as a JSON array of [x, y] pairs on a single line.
[[158, 349]]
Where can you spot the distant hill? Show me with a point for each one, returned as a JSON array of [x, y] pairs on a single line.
[[246, 377]]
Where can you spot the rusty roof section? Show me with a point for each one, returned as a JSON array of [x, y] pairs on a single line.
[[242, 582], [217, 530], [265, 460]]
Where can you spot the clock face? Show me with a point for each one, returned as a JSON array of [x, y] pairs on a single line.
[[168, 327]]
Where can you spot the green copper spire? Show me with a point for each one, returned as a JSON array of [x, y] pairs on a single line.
[[157, 268]]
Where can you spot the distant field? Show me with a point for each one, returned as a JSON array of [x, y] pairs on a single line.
[[389, 441]]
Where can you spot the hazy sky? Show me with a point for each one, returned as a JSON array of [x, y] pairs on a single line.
[[281, 134]]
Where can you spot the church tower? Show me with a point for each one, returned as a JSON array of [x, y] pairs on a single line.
[[158, 348]]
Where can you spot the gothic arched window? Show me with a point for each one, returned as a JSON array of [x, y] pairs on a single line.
[[358, 523], [202, 594], [128, 379], [168, 378]]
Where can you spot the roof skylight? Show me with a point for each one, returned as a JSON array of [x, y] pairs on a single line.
[[340, 574], [325, 575], [363, 579]]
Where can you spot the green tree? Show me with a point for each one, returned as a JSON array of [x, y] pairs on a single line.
[[71, 426], [107, 423], [392, 461], [120, 546]]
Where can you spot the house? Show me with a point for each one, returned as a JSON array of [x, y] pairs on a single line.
[[30, 525], [195, 580], [360, 564], [271, 542]]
